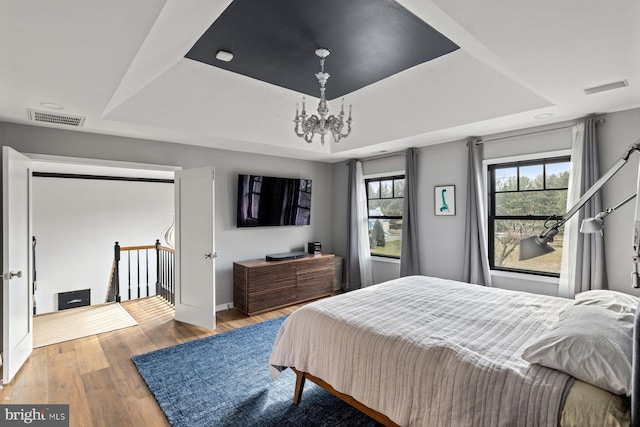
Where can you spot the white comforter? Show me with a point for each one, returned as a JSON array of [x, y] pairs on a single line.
[[427, 351]]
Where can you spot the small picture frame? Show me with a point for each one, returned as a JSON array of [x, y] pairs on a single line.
[[445, 200]]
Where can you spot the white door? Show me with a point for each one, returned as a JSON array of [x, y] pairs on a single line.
[[17, 294], [195, 254]]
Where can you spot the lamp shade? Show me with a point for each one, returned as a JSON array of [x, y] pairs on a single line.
[[534, 246], [591, 225]]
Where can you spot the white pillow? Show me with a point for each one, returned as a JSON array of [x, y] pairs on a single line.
[[590, 343], [611, 300]]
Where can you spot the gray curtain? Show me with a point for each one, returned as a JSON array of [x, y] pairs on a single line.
[[476, 254], [352, 259], [590, 267], [410, 257]]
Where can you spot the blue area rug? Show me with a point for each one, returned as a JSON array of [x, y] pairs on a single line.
[[223, 380]]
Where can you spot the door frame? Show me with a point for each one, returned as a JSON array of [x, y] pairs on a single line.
[[88, 166], [76, 163]]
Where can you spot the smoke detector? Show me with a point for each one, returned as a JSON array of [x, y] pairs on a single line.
[[55, 118]]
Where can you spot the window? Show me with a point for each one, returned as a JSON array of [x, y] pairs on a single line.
[[522, 197], [384, 202]]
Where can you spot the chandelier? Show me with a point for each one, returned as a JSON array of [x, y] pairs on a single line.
[[307, 127]]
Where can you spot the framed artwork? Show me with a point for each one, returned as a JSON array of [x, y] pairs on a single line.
[[445, 200]]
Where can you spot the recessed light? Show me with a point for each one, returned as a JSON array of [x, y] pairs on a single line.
[[544, 116], [52, 105], [223, 55]]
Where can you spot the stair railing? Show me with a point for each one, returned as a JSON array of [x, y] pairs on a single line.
[[138, 269], [165, 277]]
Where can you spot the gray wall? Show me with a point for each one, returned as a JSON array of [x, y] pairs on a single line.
[[442, 238], [232, 244], [621, 130]]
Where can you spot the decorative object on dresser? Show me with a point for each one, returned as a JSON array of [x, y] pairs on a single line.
[[260, 285], [286, 255], [314, 248]]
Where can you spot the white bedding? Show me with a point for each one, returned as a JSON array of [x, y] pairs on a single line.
[[427, 351]]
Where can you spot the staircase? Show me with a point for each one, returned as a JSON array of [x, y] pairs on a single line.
[[143, 271]]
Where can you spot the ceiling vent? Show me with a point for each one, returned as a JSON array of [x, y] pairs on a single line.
[[55, 118], [604, 88]]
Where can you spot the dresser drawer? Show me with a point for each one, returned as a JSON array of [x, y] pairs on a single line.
[[315, 264], [271, 277], [267, 300]]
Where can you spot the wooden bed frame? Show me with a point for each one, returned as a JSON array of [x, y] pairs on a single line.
[[383, 419], [297, 395]]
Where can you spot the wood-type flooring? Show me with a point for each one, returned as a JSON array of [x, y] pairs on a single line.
[[95, 374]]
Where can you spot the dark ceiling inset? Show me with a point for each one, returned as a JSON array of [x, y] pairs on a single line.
[[275, 41]]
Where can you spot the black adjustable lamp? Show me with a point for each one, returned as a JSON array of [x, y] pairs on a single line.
[[535, 246], [595, 224]]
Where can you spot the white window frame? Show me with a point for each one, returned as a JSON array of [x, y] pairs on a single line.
[[374, 257], [485, 172]]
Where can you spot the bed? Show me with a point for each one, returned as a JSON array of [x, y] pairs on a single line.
[[422, 351]]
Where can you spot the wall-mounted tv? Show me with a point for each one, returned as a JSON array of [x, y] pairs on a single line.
[[265, 201]]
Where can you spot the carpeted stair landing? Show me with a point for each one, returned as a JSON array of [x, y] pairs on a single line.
[[74, 323]]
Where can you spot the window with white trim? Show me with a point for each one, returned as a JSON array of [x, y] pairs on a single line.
[[384, 202], [523, 197]]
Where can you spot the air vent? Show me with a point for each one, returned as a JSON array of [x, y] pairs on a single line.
[[55, 118], [608, 86]]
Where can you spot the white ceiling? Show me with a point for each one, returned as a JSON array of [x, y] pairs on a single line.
[[120, 64]]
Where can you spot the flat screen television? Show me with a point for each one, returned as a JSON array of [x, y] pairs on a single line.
[[265, 201]]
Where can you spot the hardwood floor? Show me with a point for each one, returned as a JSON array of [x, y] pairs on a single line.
[[95, 375]]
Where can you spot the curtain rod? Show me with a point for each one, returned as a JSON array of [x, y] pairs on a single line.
[[381, 156], [384, 156], [599, 121]]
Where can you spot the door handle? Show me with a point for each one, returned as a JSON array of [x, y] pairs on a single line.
[[210, 255], [11, 275]]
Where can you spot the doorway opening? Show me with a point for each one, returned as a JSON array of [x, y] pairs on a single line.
[[81, 208]]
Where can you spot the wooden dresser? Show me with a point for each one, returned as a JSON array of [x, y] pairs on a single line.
[[260, 285]]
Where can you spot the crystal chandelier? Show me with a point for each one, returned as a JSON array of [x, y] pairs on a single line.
[[307, 127]]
